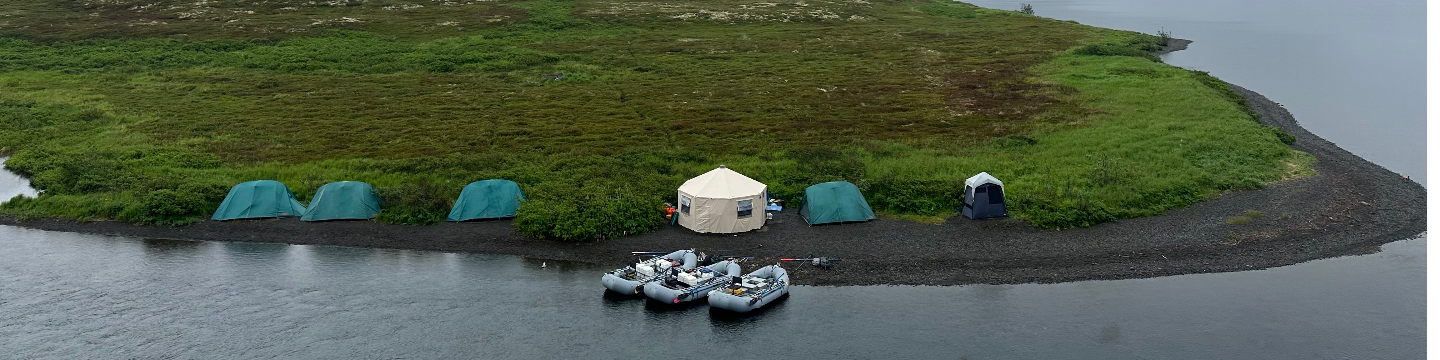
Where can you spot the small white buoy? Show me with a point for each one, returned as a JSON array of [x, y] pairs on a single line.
[[542, 264]]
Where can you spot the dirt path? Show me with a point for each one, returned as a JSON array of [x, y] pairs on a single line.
[[1351, 206]]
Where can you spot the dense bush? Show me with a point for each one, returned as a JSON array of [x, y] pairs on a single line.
[[1057, 213], [167, 206], [594, 197], [1285, 137], [584, 215], [418, 203], [912, 196]]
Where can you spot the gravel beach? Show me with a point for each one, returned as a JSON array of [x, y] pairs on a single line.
[[1351, 206]]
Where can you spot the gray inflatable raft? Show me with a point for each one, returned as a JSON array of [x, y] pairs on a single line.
[[630, 280], [688, 285], [752, 291]]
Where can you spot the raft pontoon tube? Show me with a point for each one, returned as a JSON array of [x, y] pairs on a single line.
[[752, 291], [689, 285], [630, 280]]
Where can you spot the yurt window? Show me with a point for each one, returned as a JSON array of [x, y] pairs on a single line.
[[685, 204], [745, 208]]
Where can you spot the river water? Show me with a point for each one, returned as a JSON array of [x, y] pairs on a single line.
[[74, 296]]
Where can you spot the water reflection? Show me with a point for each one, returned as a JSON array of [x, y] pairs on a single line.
[[614, 300], [659, 310], [733, 321], [255, 251], [336, 258], [171, 246]]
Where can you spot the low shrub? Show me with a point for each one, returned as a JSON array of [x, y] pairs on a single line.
[[1058, 213], [1014, 141], [949, 9], [417, 203], [189, 202], [582, 217], [1115, 50], [596, 197], [1285, 137], [912, 196]]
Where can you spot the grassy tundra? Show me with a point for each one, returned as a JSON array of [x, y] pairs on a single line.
[[148, 110]]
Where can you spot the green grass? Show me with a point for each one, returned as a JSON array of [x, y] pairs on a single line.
[[152, 123], [1246, 218]]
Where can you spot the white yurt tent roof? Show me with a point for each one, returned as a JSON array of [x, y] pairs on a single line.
[[981, 179], [722, 183]]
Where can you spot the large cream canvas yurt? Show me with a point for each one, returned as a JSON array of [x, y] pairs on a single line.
[[721, 201]]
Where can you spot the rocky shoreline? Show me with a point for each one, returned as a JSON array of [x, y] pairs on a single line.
[[1174, 45], [1350, 206]]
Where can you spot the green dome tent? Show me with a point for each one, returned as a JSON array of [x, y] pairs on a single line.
[[488, 199], [835, 201], [343, 200], [259, 199]]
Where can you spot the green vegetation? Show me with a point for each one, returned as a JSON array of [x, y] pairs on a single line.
[[1245, 218], [1162, 37], [147, 111]]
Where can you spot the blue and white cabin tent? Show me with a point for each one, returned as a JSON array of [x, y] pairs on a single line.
[[984, 197]]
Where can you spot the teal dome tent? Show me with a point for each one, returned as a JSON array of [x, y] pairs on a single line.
[[832, 202], [259, 199], [343, 200], [488, 199]]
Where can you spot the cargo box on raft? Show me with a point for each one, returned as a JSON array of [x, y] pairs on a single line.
[[692, 284], [752, 291], [631, 280]]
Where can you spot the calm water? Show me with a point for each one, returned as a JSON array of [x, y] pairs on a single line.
[[80, 296], [74, 296]]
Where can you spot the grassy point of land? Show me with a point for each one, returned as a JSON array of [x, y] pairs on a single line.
[[147, 111]]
